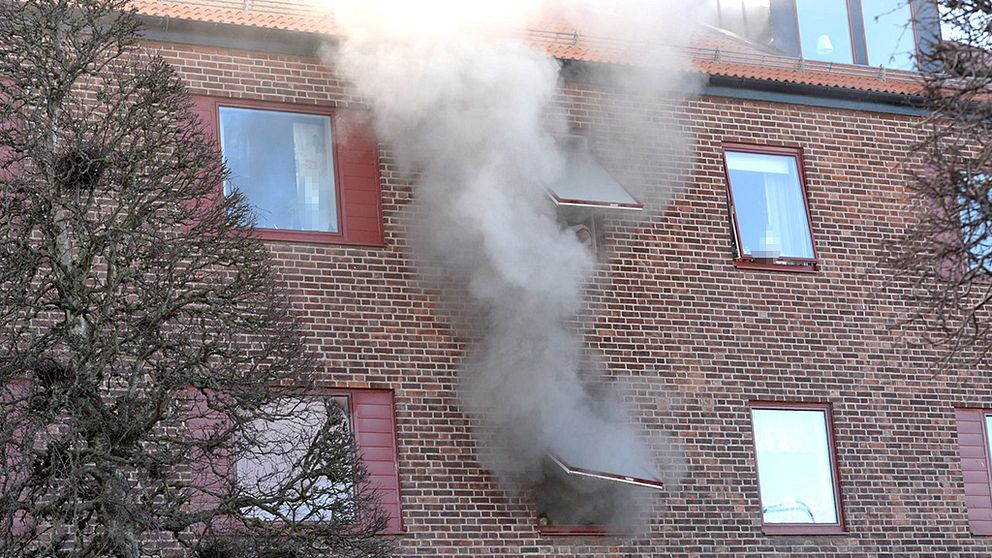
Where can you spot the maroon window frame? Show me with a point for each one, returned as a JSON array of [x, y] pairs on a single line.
[[837, 528], [371, 417], [976, 473], [356, 170], [798, 265]]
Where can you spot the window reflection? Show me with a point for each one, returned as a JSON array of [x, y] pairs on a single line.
[[283, 163], [794, 468], [889, 33], [750, 19], [975, 201], [825, 30]]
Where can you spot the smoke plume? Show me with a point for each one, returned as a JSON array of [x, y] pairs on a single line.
[[473, 111]]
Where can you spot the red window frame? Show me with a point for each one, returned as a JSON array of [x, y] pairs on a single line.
[[356, 171], [797, 265], [837, 528], [372, 420]]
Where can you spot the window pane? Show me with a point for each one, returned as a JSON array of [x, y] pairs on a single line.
[[272, 468], [769, 205], [976, 206], [750, 19], [889, 33], [794, 473], [824, 30], [283, 163]]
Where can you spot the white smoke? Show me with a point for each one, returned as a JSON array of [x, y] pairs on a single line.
[[472, 110]]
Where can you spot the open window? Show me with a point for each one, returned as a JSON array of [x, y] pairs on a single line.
[[769, 209], [585, 190], [589, 488], [636, 474]]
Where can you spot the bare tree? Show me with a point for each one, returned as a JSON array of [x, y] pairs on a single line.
[[157, 395], [947, 253]]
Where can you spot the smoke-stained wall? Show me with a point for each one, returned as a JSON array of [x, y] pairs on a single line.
[[467, 106]]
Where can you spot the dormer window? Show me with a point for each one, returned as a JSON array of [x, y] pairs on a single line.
[[881, 33]]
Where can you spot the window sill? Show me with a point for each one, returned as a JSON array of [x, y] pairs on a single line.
[[579, 531], [798, 267], [802, 529], [310, 237]]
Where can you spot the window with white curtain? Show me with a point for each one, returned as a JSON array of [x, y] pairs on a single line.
[[283, 163], [769, 206]]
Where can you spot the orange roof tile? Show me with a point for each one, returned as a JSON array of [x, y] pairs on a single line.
[[712, 51], [231, 12]]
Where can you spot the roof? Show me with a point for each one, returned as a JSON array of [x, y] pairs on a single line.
[[713, 51]]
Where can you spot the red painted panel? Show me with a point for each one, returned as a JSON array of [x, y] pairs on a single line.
[[972, 441], [978, 490], [375, 439], [972, 475], [357, 162], [375, 430], [378, 426], [378, 454], [374, 411], [377, 468], [975, 451], [206, 109]]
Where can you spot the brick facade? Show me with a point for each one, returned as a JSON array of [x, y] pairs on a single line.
[[692, 338]]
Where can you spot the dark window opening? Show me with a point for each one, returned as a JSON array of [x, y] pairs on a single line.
[[576, 505], [589, 492]]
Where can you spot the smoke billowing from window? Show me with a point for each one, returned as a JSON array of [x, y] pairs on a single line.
[[473, 111]]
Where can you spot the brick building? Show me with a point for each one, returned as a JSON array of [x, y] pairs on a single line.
[[752, 349]]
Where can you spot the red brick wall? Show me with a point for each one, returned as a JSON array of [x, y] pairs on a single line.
[[693, 338]]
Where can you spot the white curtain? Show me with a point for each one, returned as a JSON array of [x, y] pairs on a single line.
[[787, 218]]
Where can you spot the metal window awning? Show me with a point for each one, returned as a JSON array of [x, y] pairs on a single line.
[[627, 473], [585, 183]]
